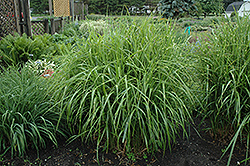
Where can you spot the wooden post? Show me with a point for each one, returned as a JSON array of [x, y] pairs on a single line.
[[26, 15], [21, 23], [83, 15], [16, 17], [50, 8], [61, 23], [46, 25], [87, 9], [52, 21], [72, 9]]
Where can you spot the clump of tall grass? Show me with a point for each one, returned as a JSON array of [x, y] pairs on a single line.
[[28, 117], [224, 67], [127, 89], [96, 26]]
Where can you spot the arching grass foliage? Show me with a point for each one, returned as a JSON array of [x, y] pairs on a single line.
[[126, 89], [28, 116]]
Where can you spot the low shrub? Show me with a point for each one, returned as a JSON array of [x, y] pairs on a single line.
[[70, 34], [16, 49]]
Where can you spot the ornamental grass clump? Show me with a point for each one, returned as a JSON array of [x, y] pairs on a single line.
[[28, 116], [127, 90], [223, 64], [94, 26]]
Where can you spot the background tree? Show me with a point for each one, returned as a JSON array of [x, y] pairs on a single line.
[[98, 6], [39, 6], [114, 6], [176, 8], [152, 4], [210, 6]]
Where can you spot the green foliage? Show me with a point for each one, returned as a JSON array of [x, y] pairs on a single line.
[[175, 8], [69, 37], [28, 115], [118, 7], [39, 6], [210, 6], [125, 88], [97, 26], [133, 82], [199, 10], [223, 65], [19, 49], [95, 17], [40, 66], [71, 30], [201, 24]]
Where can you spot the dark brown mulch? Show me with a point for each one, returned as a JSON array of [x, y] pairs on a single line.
[[193, 152]]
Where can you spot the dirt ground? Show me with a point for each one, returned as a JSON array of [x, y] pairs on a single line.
[[196, 151]]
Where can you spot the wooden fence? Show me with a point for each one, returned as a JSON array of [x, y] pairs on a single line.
[[52, 25], [8, 17], [15, 17]]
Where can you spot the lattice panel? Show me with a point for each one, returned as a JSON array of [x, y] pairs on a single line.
[[7, 17], [37, 28], [61, 8]]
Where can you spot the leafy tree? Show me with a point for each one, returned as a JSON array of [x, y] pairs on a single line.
[[98, 6], [152, 4], [175, 8], [114, 6], [39, 6], [210, 6]]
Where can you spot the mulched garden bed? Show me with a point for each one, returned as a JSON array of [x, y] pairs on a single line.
[[197, 151]]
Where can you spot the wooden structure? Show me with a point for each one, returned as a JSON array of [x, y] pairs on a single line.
[[61, 8], [8, 17], [40, 27], [79, 9], [15, 17]]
